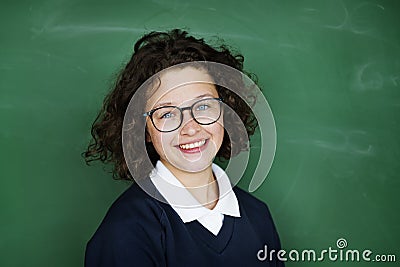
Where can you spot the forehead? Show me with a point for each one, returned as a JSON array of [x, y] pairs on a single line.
[[182, 85]]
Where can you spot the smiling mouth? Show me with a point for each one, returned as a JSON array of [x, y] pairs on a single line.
[[190, 146]]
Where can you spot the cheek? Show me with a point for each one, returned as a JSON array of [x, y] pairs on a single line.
[[217, 131], [160, 140], [153, 136]]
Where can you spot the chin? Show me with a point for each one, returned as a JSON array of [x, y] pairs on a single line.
[[193, 165]]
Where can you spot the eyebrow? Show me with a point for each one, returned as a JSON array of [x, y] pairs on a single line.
[[170, 103]]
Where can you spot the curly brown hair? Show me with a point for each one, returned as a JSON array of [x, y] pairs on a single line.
[[154, 52]]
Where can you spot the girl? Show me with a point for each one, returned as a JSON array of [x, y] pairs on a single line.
[[182, 209]]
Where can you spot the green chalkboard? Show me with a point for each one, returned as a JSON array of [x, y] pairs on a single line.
[[329, 69]]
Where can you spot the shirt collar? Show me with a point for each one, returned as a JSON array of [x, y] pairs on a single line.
[[182, 201]]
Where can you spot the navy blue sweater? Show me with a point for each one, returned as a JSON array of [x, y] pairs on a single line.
[[139, 230]]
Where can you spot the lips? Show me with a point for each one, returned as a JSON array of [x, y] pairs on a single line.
[[193, 147]]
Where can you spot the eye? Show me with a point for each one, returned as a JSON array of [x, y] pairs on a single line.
[[202, 107], [166, 115]]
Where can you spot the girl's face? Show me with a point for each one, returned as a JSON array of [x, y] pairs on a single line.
[[192, 147]]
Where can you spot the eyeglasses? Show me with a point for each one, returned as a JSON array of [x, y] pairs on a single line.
[[169, 118]]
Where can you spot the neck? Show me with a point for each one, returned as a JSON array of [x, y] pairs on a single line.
[[202, 185]]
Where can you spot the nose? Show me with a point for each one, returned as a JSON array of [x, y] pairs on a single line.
[[189, 125]]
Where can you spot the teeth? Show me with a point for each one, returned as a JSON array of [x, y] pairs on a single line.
[[193, 145]]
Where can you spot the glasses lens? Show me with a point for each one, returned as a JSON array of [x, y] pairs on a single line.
[[166, 118], [207, 111]]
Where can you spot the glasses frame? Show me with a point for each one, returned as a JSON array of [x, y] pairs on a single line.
[[151, 112]]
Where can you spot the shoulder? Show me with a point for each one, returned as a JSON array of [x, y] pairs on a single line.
[[258, 214], [134, 210], [255, 210], [250, 202], [134, 223], [133, 203]]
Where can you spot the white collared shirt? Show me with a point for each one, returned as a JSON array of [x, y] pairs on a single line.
[[187, 207]]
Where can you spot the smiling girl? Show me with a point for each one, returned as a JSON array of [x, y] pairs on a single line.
[[182, 209]]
